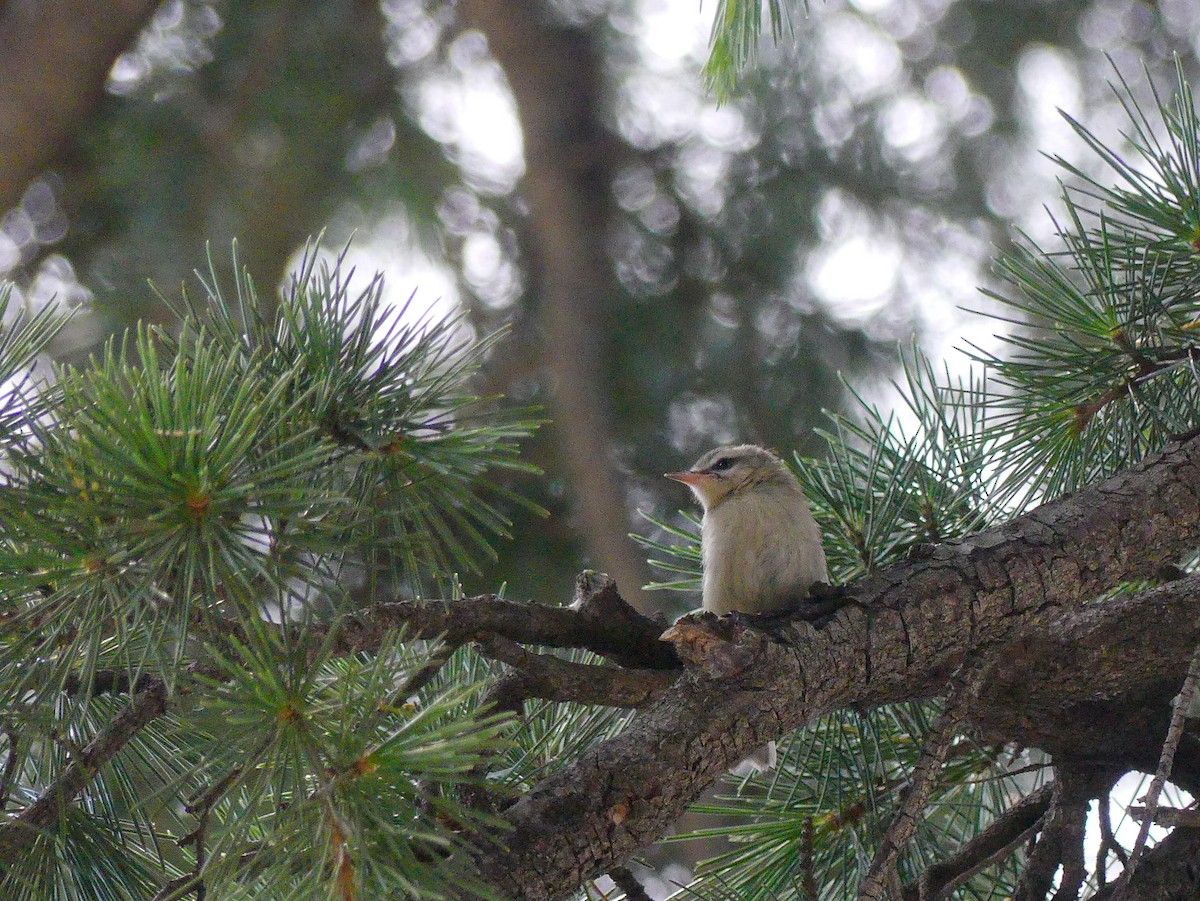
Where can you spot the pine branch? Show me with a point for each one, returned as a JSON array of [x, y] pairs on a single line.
[[1000, 839], [598, 620], [1010, 586], [963, 686], [18, 834], [553, 679]]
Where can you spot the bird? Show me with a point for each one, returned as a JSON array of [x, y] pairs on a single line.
[[760, 546]]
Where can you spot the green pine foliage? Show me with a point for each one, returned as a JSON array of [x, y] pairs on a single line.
[[736, 30], [1098, 369], [200, 508]]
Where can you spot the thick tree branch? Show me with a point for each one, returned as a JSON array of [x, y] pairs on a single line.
[[18, 834], [55, 56], [912, 626], [1093, 685]]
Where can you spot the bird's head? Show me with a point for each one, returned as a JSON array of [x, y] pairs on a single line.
[[733, 469]]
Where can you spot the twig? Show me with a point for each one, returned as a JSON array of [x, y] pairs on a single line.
[[10, 765], [1186, 817], [1108, 841], [177, 888], [554, 679], [1166, 760], [599, 620], [995, 843], [202, 804], [426, 672], [1007, 774], [109, 682], [201, 807], [963, 687], [808, 874], [18, 834], [628, 883]]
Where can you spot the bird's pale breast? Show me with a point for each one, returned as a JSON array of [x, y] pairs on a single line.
[[762, 552]]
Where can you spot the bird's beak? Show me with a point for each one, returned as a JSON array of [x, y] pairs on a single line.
[[688, 478]]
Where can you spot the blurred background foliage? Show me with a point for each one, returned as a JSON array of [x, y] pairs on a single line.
[[675, 271]]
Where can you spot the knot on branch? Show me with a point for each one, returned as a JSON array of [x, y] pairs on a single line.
[[600, 608], [719, 646], [598, 602]]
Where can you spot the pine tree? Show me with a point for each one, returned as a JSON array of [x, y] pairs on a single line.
[[1097, 374], [235, 661], [190, 520]]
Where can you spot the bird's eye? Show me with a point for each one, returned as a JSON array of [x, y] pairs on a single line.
[[721, 465]]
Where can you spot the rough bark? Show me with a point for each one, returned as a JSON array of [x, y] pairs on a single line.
[[598, 620], [55, 56], [1023, 593]]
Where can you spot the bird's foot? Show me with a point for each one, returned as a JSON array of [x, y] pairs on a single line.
[[769, 622], [823, 601], [823, 591]]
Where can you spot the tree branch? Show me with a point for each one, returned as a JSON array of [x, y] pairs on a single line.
[[992, 845], [1060, 844], [599, 620], [1005, 587], [625, 880], [1163, 770], [554, 679], [963, 688], [1169, 870], [1108, 842], [18, 834], [1188, 817]]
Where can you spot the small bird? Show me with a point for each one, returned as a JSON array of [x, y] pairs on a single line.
[[760, 544]]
